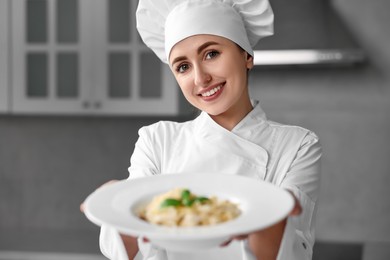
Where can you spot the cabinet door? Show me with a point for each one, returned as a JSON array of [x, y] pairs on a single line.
[[130, 79], [3, 56], [85, 56], [50, 55]]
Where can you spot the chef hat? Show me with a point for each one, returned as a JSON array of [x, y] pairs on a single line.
[[163, 23]]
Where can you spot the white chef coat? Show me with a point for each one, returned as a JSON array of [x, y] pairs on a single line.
[[287, 156]]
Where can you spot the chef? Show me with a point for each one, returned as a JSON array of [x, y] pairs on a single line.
[[208, 46]]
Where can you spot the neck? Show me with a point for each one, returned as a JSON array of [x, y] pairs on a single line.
[[233, 116]]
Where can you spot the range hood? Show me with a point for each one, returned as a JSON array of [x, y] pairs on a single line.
[[308, 32]]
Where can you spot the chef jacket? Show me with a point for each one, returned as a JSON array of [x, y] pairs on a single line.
[[287, 156]]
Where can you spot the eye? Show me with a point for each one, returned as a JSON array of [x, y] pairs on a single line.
[[211, 54], [182, 67]]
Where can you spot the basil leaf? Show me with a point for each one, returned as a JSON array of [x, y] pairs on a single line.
[[170, 203], [201, 199], [186, 198]]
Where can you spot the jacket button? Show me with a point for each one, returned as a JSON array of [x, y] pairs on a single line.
[[304, 245]]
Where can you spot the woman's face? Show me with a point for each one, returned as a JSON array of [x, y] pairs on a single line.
[[212, 74]]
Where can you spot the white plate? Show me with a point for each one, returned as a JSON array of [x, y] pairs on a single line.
[[262, 204]]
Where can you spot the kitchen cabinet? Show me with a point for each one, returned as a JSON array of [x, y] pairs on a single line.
[[3, 57], [85, 57]]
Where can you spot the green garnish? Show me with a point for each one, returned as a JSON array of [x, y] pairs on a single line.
[[186, 200], [170, 202], [202, 199]]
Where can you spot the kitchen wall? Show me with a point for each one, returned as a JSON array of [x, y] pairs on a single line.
[[48, 165], [349, 109]]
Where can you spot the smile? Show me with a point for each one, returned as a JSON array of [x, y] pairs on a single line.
[[211, 92]]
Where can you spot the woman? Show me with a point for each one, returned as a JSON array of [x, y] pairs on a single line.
[[208, 46]]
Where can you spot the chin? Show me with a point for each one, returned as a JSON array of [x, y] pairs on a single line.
[[214, 111]]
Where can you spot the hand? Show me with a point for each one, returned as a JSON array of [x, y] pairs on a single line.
[[130, 242], [297, 210], [82, 205], [238, 237]]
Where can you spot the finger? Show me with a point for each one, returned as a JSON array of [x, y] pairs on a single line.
[[226, 243], [297, 209], [240, 237], [82, 207]]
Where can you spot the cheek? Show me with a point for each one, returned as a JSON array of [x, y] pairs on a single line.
[[233, 66], [185, 86], [240, 70]]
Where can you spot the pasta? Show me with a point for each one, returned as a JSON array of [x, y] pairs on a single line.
[[179, 207]]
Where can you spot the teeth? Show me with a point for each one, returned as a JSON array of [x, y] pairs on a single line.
[[211, 92]]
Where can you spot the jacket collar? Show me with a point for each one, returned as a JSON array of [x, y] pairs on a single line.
[[250, 121], [244, 141]]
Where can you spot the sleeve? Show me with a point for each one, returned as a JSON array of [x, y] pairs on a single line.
[[142, 164], [111, 244], [145, 160], [303, 179]]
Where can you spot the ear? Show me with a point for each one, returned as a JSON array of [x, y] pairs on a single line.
[[249, 61]]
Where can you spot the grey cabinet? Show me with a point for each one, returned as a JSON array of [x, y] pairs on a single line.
[[84, 57]]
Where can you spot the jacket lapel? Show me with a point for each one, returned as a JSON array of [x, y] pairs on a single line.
[[214, 149]]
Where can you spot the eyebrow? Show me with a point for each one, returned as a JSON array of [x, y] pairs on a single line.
[[200, 49]]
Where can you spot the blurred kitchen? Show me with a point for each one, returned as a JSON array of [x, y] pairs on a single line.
[[76, 84]]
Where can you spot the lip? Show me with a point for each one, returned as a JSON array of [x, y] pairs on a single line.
[[214, 96]]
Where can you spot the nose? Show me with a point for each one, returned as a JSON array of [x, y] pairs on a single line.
[[201, 78]]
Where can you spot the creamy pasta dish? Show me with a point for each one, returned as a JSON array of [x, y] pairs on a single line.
[[180, 207]]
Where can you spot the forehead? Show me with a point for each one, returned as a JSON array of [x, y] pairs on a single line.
[[192, 43]]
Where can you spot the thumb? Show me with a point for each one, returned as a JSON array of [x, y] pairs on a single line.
[[297, 209]]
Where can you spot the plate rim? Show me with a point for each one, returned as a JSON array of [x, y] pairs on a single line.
[[183, 233]]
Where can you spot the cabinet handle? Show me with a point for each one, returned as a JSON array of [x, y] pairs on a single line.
[[97, 104], [86, 104]]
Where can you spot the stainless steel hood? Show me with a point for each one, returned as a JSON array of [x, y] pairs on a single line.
[[308, 33]]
